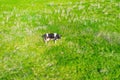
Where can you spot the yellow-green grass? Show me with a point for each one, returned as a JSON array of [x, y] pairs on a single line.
[[88, 50]]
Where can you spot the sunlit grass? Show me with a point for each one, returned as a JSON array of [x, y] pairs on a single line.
[[88, 49]]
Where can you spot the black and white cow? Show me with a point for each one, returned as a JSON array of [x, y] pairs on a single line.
[[51, 36]]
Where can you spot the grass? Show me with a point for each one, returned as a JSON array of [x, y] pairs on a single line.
[[89, 48]]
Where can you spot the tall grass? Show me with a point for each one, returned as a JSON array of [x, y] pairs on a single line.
[[88, 50]]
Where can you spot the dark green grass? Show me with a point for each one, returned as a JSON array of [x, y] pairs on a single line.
[[88, 50]]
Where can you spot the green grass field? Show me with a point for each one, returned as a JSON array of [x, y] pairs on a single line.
[[89, 48]]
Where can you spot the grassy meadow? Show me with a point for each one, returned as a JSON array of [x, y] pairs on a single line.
[[89, 48]]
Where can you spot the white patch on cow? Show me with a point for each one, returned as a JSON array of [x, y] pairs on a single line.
[[46, 34], [47, 39], [55, 34]]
